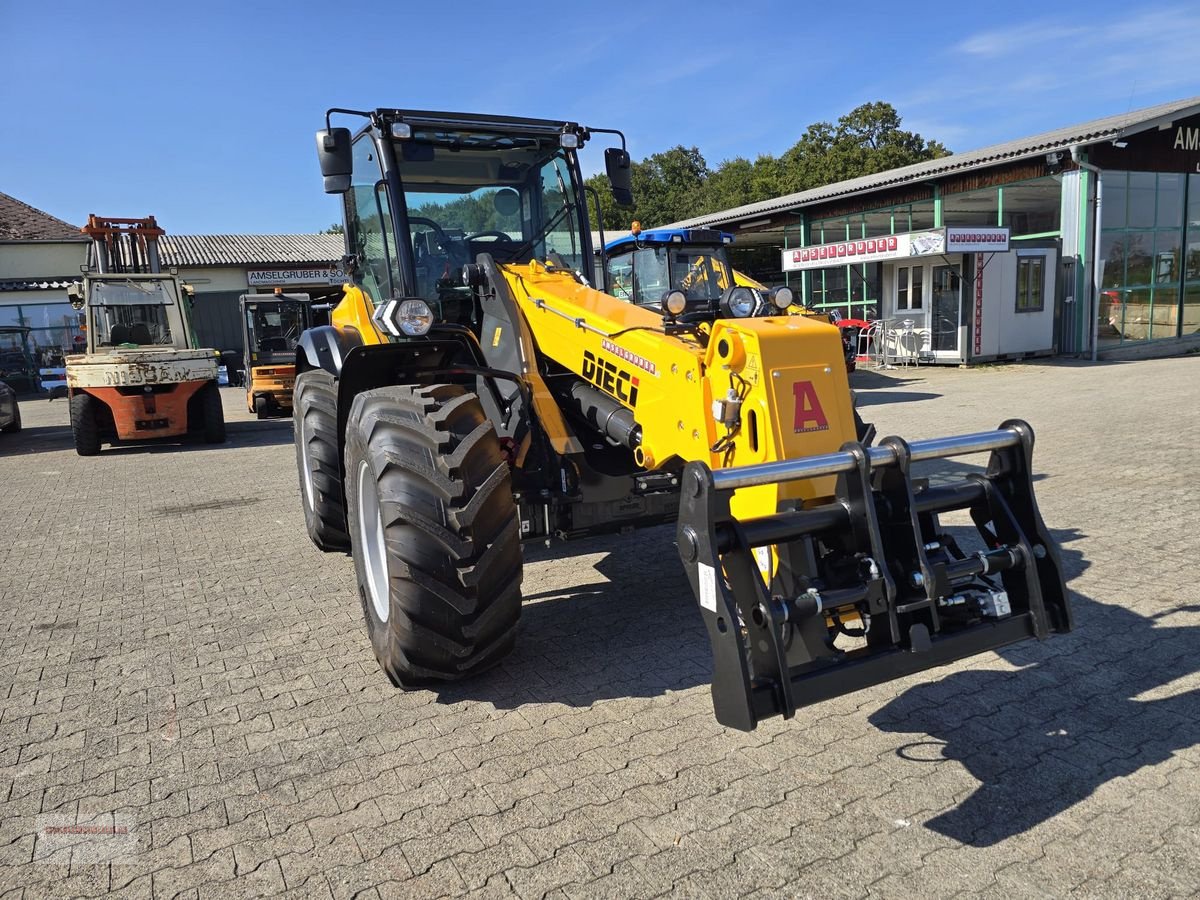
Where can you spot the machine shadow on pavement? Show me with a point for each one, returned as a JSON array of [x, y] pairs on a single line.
[[636, 632], [57, 438], [1072, 718]]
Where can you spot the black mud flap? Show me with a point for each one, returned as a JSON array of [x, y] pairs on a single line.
[[867, 587]]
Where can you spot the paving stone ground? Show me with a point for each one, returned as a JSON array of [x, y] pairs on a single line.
[[178, 661]]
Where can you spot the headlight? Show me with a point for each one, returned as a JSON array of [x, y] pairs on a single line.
[[404, 318], [738, 302], [782, 298], [674, 303], [414, 317]]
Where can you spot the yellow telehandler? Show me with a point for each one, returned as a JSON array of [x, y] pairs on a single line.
[[474, 391]]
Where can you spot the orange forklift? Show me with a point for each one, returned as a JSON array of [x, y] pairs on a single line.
[[141, 375], [271, 329]]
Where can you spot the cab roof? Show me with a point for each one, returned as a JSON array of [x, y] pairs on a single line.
[[669, 236]]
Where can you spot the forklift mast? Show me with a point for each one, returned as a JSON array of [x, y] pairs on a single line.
[[121, 246]]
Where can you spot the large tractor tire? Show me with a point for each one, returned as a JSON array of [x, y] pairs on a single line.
[[211, 414], [85, 424], [435, 532], [314, 407]]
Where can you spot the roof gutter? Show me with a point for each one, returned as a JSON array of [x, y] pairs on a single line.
[[1097, 204]]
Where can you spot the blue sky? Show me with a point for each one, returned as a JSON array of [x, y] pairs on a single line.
[[203, 114]]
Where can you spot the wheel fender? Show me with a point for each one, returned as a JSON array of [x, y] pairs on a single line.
[[325, 347]]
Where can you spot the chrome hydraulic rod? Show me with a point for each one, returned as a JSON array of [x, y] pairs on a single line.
[[878, 457]]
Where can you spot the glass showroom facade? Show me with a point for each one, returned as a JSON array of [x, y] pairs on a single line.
[[1150, 256], [1031, 208]]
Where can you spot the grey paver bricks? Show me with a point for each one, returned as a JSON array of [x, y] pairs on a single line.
[[174, 650]]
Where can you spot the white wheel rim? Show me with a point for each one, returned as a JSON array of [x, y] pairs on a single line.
[[306, 465], [370, 539]]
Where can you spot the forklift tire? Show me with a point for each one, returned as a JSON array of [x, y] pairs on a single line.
[[314, 408], [435, 532], [211, 414], [85, 427], [261, 407]]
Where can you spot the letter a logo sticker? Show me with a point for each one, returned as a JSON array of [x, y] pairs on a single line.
[[809, 415]]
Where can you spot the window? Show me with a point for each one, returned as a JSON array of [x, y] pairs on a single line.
[[370, 223], [910, 287], [131, 312], [1034, 207], [1031, 283], [1149, 253], [971, 208]]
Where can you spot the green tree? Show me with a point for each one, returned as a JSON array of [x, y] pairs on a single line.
[[668, 186], [335, 228], [866, 140]]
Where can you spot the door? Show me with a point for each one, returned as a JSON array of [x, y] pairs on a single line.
[[945, 310]]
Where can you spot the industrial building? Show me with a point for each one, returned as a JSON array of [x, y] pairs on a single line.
[[1084, 240]]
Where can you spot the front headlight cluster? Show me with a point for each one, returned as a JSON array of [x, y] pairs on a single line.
[[739, 301], [404, 318]]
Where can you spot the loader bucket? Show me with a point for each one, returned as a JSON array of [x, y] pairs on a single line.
[[868, 586]]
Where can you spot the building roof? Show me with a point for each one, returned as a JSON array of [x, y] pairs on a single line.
[[22, 222], [1061, 139], [249, 249]]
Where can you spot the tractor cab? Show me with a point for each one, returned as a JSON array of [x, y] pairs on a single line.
[[271, 329], [685, 273], [645, 265]]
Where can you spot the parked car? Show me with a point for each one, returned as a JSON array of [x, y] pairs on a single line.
[[10, 412]]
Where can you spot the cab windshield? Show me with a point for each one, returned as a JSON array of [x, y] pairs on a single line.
[[648, 273], [275, 327], [510, 196], [129, 311]]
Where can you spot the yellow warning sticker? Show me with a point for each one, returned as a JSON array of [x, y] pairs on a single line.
[[496, 337]]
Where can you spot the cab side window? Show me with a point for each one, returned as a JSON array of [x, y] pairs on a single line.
[[370, 224]]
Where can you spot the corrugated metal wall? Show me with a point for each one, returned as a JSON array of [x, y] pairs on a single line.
[[216, 318], [1076, 264]]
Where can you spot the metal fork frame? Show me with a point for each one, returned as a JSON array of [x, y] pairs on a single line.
[[769, 656]]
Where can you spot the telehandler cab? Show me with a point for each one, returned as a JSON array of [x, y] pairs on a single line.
[[473, 390]]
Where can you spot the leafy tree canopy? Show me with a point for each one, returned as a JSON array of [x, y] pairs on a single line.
[[678, 184]]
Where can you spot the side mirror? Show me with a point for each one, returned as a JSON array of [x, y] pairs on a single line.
[[620, 175], [75, 295], [333, 150]]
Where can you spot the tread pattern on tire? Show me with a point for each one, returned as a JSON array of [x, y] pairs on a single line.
[[451, 529], [85, 428], [315, 416], [14, 426], [212, 414]]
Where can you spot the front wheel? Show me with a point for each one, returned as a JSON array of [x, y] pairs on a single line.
[[434, 531], [315, 427]]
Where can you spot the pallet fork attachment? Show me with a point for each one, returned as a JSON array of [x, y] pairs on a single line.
[[875, 554]]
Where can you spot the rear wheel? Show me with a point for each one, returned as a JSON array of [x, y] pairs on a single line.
[[84, 425], [314, 410], [435, 532], [211, 414], [261, 408]]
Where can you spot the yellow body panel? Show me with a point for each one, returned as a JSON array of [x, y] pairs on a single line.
[[353, 313], [275, 381], [788, 370]]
